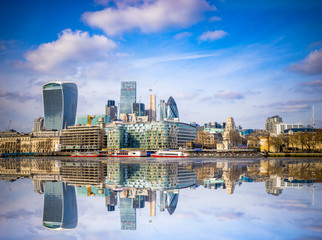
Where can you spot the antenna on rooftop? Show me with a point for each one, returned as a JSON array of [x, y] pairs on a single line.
[[313, 117]]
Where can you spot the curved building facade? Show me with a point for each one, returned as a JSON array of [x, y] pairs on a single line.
[[60, 104], [60, 206], [171, 109]]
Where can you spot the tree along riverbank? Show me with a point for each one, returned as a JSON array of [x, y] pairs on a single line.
[[295, 155]]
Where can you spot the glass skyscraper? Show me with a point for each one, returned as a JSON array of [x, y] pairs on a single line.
[[60, 206], [171, 109], [138, 109], [162, 110], [128, 97], [60, 104]]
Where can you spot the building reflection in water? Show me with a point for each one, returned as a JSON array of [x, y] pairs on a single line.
[[60, 207], [132, 185]]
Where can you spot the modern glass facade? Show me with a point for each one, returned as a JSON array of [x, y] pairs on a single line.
[[162, 110], [127, 214], [138, 109], [171, 109], [185, 132], [155, 135], [156, 176], [60, 206], [128, 97], [60, 104]]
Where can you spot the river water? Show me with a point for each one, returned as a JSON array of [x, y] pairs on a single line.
[[108, 198]]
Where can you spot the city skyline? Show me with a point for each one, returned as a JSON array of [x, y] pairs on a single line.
[[217, 59]]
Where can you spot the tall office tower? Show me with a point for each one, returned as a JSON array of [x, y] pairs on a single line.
[[110, 103], [111, 109], [38, 124], [127, 214], [171, 109], [128, 97], [138, 109], [147, 113], [163, 114], [271, 122], [171, 200], [60, 104], [60, 206], [152, 108], [111, 201], [152, 201]]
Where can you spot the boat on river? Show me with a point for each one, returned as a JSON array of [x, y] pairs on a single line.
[[170, 154], [124, 153]]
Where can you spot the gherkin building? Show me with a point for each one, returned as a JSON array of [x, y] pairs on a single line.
[[172, 109]]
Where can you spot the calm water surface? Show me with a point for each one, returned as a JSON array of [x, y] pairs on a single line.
[[151, 199]]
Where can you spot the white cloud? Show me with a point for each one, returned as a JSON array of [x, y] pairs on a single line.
[[312, 64], [186, 96], [70, 50], [229, 95], [315, 83], [214, 19], [171, 58], [182, 35], [212, 35], [149, 16]]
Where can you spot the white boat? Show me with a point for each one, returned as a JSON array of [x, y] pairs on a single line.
[[125, 153], [170, 154]]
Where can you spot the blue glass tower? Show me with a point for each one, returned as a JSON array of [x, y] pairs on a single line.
[[128, 97], [60, 104], [138, 109], [60, 206], [171, 109], [127, 214]]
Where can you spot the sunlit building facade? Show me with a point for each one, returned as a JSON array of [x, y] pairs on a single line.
[[60, 104]]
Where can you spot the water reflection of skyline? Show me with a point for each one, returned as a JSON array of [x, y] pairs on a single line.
[[133, 185]]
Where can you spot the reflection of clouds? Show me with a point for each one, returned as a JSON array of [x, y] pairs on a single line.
[[185, 215], [18, 214], [316, 228], [230, 216], [295, 205]]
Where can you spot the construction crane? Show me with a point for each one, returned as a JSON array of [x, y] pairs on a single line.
[[89, 119], [150, 89], [9, 125]]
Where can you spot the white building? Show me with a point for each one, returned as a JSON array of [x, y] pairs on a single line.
[[280, 127]]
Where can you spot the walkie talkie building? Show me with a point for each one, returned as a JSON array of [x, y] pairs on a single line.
[[60, 104], [60, 206]]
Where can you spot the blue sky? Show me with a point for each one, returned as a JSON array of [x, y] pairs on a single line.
[[245, 59]]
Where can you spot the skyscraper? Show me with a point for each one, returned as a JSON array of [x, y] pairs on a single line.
[[127, 214], [271, 123], [138, 109], [111, 109], [128, 97], [162, 110], [60, 206], [38, 124], [152, 108], [171, 109], [60, 104]]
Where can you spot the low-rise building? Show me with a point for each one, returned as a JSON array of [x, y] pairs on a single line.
[[83, 138]]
